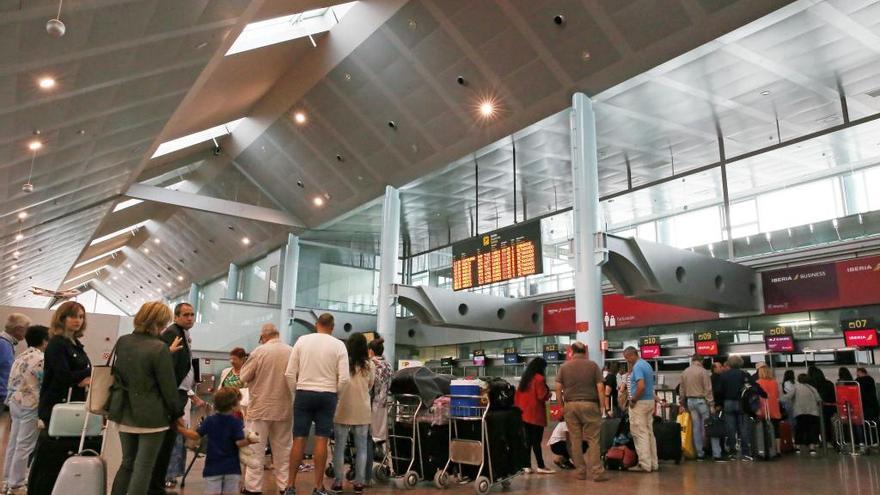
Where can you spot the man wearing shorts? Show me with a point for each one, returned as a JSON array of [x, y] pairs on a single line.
[[316, 372]]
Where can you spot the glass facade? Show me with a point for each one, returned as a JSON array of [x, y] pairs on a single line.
[[258, 280], [209, 300]]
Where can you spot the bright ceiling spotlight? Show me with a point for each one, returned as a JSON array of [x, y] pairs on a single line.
[[146, 250], [35, 145], [319, 201], [299, 118], [487, 108], [157, 241], [46, 83], [14, 266], [180, 278], [168, 284], [22, 215], [16, 254], [19, 237], [127, 265], [245, 241]]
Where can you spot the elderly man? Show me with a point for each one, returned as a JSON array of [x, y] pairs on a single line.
[[269, 411], [581, 393], [641, 410], [16, 326]]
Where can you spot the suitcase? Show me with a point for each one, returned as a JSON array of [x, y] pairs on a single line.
[[668, 439], [49, 457], [82, 473], [763, 441], [609, 429], [786, 437], [620, 457], [69, 418]]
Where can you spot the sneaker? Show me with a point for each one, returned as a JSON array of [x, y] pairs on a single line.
[[719, 459], [560, 465], [797, 450], [544, 471], [701, 459], [358, 489], [747, 458], [306, 468], [813, 452], [570, 465]]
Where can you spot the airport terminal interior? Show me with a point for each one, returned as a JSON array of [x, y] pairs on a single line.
[[478, 189]]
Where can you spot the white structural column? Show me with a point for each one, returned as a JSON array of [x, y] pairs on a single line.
[[386, 317], [193, 298], [589, 255], [232, 282], [287, 299]]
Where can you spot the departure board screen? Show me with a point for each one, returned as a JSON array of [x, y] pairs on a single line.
[[497, 256]]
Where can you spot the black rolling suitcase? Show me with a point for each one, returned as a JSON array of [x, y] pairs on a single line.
[[611, 427], [668, 438], [49, 456], [501, 394]]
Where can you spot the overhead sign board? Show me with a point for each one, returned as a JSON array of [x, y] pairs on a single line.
[[497, 256], [649, 347], [706, 343]]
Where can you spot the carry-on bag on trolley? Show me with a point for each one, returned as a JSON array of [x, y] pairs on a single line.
[[668, 438], [83, 473]]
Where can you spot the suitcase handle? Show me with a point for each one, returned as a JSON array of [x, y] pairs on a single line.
[[90, 452]]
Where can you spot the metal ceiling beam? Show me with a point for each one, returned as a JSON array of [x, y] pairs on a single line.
[[211, 205]]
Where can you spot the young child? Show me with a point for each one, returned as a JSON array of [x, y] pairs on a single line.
[[225, 433], [559, 444]]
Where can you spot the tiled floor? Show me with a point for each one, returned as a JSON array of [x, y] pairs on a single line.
[[833, 474]]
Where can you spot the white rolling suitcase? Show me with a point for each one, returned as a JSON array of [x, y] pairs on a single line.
[[83, 473]]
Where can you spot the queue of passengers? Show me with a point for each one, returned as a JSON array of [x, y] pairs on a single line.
[[340, 388]]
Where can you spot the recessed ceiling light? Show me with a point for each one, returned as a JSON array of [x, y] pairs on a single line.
[[46, 82], [168, 284], [109, 283], [35, 145], [766, 92], [128, 265], [157, 241], [180, 278], [16, 254], [319, 201], [14, 266], [115, 278], [9, 293], [19, 237], [487, 109], [245, 241], [22, 215], [147, 250], [299, 118], [12, 277]]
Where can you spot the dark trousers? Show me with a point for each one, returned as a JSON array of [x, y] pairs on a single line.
[[138, 460], [157, 481], [534, 436]]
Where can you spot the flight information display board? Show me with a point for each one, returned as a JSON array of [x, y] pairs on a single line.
[[505, 254]]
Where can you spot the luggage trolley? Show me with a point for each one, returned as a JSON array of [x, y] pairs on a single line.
[[463, 451], [405, 411]]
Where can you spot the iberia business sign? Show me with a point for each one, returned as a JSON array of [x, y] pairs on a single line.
[[846, 283], [621, 312]]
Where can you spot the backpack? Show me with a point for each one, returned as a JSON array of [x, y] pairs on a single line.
[[749, 399], [620, 457]]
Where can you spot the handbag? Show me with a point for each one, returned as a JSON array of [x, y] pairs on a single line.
[[101, 385]]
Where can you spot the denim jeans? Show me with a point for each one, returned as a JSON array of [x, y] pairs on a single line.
[[226, 484], [700, 412], [360, 447], [22, 440], [737, 422]]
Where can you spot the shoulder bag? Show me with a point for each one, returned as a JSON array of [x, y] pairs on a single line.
[[102, 381]]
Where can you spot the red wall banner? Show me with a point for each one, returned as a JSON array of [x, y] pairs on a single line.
[[621, 312], [829, 285]]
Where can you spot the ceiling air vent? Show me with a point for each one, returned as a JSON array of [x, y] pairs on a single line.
[[874, 93]]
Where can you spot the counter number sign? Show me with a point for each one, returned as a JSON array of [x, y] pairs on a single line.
[[706, 343]]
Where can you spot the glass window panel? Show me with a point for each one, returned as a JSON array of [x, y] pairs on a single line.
[[799, 205]]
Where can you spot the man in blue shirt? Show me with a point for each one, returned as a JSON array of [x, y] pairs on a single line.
[[640, 389]]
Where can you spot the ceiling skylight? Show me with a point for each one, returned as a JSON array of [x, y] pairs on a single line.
[[289, 27], [104, 255], [131, 230], [127, 204], [196, 138]]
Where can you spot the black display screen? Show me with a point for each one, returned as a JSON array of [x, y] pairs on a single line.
[[505, 254]]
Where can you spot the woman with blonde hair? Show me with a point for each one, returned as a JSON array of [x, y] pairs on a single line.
[[143, 399], [66, 374]]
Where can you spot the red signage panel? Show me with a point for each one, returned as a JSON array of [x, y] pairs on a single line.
[[650, 351], [779, 343], [709, 348], [829, 285], [849, 402], [621, 312], [866, 338]]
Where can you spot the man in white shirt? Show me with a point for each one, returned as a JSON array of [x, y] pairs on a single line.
[[316, 372]]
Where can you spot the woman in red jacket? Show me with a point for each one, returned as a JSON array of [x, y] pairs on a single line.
[[531, 397]]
